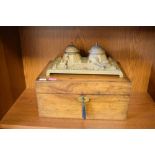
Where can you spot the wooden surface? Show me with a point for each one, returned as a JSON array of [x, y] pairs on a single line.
[[12, 81], [151, 86], [109, 96], [111, 107], [133, 47], [87, 85], [24, 114], [83, 87]]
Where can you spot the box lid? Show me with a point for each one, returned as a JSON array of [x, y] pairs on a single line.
[[82, 84]]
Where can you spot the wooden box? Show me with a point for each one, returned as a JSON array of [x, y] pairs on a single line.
[[59, 96]]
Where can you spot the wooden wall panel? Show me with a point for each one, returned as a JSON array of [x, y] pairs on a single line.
[[12, 81], [6, 98], [151, 87], [133, 47]]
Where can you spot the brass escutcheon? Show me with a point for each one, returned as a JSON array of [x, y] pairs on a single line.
[[84, 99]]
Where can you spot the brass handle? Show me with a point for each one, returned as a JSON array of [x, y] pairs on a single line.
[[83, 100]]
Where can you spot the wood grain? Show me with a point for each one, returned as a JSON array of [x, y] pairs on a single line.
[[151, 87], [83, 87], [5, 90], [109, 96], [12, 81], [112, 107], [133, 47], [24, 114], [84, 84]]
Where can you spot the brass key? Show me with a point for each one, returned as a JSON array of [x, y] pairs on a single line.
[[83, 100]]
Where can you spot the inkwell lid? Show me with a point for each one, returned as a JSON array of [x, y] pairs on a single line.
[[71, 49], [96, 49]]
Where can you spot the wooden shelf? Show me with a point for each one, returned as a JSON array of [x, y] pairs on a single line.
[[24, 114]]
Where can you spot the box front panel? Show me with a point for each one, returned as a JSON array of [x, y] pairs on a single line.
[[112, 107]]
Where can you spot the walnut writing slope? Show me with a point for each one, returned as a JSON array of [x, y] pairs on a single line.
[[83, 96]]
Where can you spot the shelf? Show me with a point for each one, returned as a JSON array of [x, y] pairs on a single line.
[[24, 114]]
